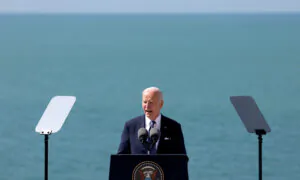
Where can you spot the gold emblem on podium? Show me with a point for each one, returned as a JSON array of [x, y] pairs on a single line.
[[147, 170]]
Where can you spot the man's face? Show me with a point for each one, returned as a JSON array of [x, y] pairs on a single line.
[[152, 103]]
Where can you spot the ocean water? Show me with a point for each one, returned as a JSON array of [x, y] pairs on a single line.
[[198, 60]]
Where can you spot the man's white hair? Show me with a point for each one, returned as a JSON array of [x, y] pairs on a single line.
[[155, 89]]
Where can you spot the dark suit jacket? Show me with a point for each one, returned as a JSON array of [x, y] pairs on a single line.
[[171, 140]]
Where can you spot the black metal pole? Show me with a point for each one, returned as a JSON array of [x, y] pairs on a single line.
[[46, 156], [260, 156], [260, 133]]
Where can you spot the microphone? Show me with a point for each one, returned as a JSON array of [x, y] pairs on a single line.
[[143, 135], [154, 135]]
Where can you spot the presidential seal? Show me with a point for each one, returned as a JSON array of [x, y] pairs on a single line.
[[147, 170]]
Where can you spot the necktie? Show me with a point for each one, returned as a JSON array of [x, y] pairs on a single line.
[[153, 150], [151, 125]]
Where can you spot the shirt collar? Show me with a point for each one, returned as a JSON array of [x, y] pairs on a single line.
[[157, 120]]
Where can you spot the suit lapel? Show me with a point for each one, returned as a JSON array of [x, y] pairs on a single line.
[[163, 128], [141, 123]]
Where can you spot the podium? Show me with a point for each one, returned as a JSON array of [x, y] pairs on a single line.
[[148, 167]]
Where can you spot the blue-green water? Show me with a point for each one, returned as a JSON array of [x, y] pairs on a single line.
[[199, 61]]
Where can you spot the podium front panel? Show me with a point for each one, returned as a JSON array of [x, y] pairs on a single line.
[[148, 167]]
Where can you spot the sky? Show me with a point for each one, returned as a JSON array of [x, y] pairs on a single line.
[[147, 6]]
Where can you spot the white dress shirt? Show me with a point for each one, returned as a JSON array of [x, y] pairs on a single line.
[[156, 125]]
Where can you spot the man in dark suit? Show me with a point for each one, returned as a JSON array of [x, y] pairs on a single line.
[[171, 139]]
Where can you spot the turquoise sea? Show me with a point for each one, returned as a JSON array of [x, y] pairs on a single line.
[[198, 60]]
